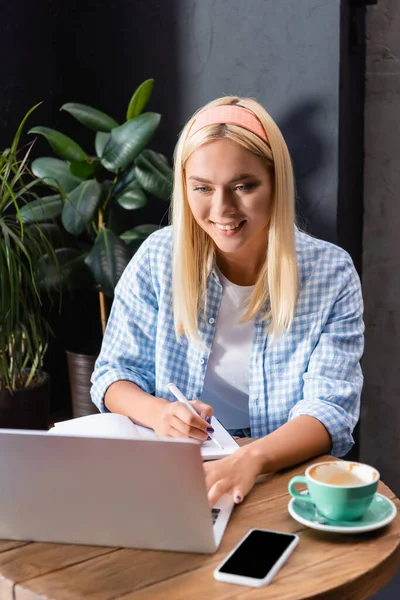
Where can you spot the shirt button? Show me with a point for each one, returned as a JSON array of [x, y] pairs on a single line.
[[211, 321], [202, 361]]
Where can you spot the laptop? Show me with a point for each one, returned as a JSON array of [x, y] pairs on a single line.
[[133, 493]]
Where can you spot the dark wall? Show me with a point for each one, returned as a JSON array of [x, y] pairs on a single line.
[[95, 53], [380, 416], [288, 54], [86, 51]]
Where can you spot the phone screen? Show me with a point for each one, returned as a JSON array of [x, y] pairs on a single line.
[[258, 553]]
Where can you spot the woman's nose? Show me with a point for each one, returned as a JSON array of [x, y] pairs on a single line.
[[223, 201]]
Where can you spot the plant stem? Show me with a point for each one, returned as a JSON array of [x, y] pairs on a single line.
[[110, 193], [103, 316], [102, 300], [101, 220]]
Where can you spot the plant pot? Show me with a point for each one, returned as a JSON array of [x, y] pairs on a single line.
[[80, 369], [27, 408]]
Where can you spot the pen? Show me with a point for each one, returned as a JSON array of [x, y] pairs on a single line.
[[179, 396]]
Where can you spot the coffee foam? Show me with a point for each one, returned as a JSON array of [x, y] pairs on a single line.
[[346, 474]]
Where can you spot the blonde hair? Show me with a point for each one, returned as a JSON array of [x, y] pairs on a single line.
[[193, 249]]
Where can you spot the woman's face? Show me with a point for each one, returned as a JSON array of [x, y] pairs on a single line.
[[229, 192]]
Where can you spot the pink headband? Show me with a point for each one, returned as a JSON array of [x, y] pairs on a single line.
[[228, 113]]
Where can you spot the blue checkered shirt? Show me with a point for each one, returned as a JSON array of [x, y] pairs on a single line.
[[312, 369]]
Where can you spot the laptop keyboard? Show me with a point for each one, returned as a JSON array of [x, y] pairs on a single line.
[[214, 514]]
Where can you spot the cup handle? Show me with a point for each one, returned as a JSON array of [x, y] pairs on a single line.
[[293, 492]]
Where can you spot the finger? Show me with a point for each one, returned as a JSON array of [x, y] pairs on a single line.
[[204, 410], [176, 433], [238, 495], [219, 488], [188, 431], [191, 419], [210, 474]]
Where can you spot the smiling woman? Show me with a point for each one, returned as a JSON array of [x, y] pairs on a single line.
[[239, 308]]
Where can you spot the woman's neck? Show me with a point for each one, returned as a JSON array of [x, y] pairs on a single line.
[[238, 271]]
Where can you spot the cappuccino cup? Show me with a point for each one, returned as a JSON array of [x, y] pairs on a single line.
[[341, 490]]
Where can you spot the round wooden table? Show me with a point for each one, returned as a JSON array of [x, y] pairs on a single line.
[[324, 565]]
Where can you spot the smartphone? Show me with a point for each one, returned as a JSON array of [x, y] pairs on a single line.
[[257, 557]]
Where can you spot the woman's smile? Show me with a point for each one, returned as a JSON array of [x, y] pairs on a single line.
[[229, 229]]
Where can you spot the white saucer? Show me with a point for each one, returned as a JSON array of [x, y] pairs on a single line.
[[381, 512]]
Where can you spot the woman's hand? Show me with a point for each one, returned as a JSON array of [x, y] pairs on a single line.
[[234, 475], [176, 420]]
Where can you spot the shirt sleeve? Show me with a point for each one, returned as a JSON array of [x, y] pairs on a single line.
[[128, 347], [333, 380]]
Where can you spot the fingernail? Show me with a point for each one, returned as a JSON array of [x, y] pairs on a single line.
[[210, 429], [208, 419]]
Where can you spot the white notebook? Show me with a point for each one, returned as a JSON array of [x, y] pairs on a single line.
[[112, 425]]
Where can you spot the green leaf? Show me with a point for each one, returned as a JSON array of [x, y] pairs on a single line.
[[43, 209], [8, 161], [107, 260], [128, 140], [132, 197], [72, 272], [82, 169], [80, 206], [90, 117], [62, 145], [138, 233], [124, 179], [139, 99], [154, 174], [55, 173], [100, 142], [20, 128]]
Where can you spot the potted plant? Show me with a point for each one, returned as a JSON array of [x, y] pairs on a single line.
[[24, 333], [93, 196]]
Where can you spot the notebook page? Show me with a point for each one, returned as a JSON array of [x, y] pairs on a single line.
[[103, 425], [210, 451]]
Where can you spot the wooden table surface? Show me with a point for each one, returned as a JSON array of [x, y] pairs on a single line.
[[324, 566]]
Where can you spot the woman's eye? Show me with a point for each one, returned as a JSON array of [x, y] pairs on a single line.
[[201, 188], [245, 187]]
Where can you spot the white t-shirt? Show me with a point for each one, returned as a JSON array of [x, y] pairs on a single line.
[[226, 386]]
